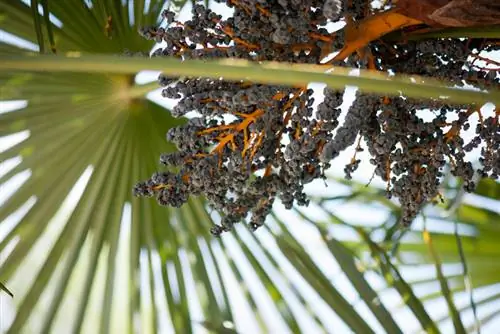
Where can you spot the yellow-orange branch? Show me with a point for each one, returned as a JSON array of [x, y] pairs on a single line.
[[359, 34]]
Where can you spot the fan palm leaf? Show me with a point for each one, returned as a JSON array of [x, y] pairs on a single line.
[[93, 131], [465, 242]]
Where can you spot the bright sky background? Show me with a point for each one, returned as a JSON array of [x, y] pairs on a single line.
[[307, 235]]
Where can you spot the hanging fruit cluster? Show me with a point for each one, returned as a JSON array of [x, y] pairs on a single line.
[[251, 143]]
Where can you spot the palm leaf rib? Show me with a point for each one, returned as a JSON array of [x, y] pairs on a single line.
[[272, 73]]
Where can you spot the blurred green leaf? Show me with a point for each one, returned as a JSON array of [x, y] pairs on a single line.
[[319, 282], [394, 278], [38, 25], [455, 316], [4, 288], [488, 188], [474, 215], [491, 31], [347, 262]]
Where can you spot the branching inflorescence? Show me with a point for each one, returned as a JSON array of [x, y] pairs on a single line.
[[251, 143]]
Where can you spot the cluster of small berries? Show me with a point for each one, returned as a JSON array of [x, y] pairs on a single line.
[[251, 143]]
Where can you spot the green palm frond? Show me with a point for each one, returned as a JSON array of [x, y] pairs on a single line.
[[468, 241], [4, 288], [102, 27], [265, 72], [98, 131]]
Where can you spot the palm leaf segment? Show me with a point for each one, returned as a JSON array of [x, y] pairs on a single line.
[[96, 129], [106, 260], [451, 257]]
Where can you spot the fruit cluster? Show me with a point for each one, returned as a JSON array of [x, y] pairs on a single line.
[[251, 143]]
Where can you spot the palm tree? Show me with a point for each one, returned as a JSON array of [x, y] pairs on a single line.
[[80, 254]]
